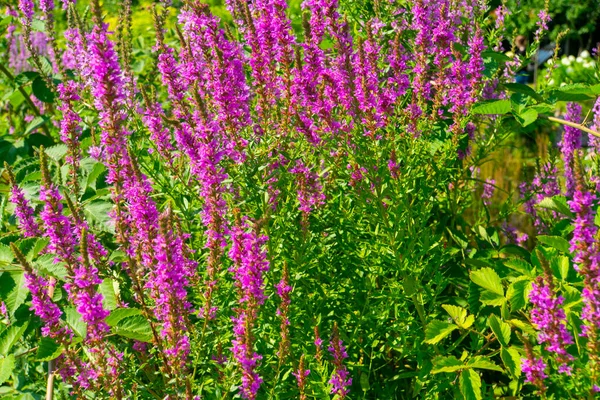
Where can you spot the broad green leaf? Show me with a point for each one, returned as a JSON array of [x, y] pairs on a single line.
[[501, 330], [40, 244], [492, 107], [75, 321], [118, 314], [512, 360], [57, 152], [6, 255], [11, 336], [518, 265], [470, 385], [108, 292], [48, 350], [7, 365], [13, 290], [556, 203], [492, 299], [481, 362], [488, 279], [47, 266], [40, 89], [556, 242], [25, 77], [523, 89], [97, 170], [560, 266], [526, 117], [446, 364], [136, 327], [517, 294], [438, 330], [97, 212]]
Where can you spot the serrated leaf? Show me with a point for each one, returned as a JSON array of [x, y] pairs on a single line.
[[438, 330], [501, 329], [459, 315], [25, 77], [470, 385], [560, 266], [517, 294], [446, 364], [40, 89], [119, 314], [35, 123], [48, 350], [57, 152], [556, 203], [97, 170], [488, 279], [97, 212], [13, 290], [481, 362], [10, 336], [491, 299], [512, 360], [556, 242], [494, 107], [75, 321], [47, 265], [523, 89], [7, 365], [136, 327], [526, 117]]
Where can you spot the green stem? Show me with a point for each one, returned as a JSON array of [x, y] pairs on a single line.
[[573, 125]]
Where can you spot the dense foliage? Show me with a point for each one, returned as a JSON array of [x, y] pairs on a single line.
[[286, 200]]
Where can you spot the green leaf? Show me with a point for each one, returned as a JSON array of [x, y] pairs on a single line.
[[488, 279], [557, 242], [6, 254], [491, 299], [119, 314], [48, 350], [438, 330], [57, 152], [446, 364], [459, 315], [523, 89], [526, 117], [556, 203], [492, 107], [560, 266], [25, 77], [13, 290], [75, 321], [7, 365], [98, 169], [512, 360], [47, 265], [41, 90], [501, 330], [136, 327], [108, 289], [470, 385], [11, 336], [35, 123], [97, 213], [481, 362], [517, 294]]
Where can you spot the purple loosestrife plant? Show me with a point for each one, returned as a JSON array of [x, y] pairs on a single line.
[[549, 317], [570, 143], [249, 265], [340, 379]]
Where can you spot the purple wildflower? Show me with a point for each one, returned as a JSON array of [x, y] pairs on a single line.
[[571, 141], [340, 379]]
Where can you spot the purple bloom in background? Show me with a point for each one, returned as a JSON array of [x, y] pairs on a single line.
[[24, 212], [27, 7], [310, 191], [594, 140], [550, 319], [542, 23], [488, 191], [340, 379], [571, 141], [544, 184]]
